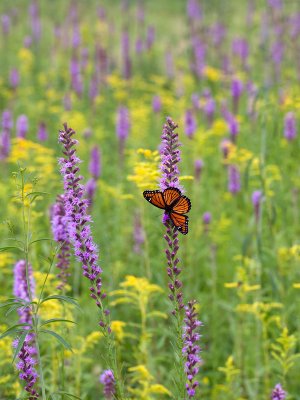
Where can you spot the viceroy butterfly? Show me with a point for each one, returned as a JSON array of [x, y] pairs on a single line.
[[174, 203]]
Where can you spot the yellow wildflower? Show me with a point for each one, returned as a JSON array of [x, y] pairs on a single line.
[[118, 329]]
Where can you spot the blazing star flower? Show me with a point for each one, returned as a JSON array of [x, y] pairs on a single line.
[[90, 190], [150, 37], [122, 127], [190, 124], [14, 78], [206, 218], [35, 20], [95, 162], [22, 126], [240, 48], [139, 45], [234, 184], [7, 122], [191, 349], [256, 201], [108, 381], [170, 157], [42, 133], [26, 361], [290, 131], [59, 224], [276, 4], [236, 91], [278, 393], [79, 221], [194, 11], [6, 23], [156, 104], [138, 234], [198, 166], [125, 49], [169, 62]]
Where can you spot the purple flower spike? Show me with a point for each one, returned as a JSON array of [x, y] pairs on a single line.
[[275, 4], [156, 104], [90, 189], [7, 122], [22, 126], [79, 221], [122, 128], [42, 132], [234, 184], [191, 348], [240, 48], [278, 393], [256, 201], [26, 361], [108, 381], [95, 162], [14, 78], [59, 223], [150, 37], [125, 48], [198, 166], [138, 234], [206, 218], [290, 126], [190, 124], [6, 23], [170, 157], [194, 11], [236, 91]]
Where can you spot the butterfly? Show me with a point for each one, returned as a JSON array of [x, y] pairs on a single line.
[[174, 203]]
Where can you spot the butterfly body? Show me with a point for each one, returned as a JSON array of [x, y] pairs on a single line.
[[174, 203]]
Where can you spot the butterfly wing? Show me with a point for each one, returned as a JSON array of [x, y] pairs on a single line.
[[181, 222], [155, 197], [183, 205], [171, 195]]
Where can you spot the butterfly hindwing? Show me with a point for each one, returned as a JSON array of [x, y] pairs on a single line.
[[180, 221], [155, 197], [182, 206], [171, 195]]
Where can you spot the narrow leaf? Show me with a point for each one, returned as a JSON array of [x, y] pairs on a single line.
[[67, 299], [68, 394], [58, 338], [13, 329], [20, 344], [2, 249], [49, 321], [40, 240]]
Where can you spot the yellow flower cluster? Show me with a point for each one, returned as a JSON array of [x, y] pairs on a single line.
[[143, 387], [6, 262], [38, 159], [145, 169]]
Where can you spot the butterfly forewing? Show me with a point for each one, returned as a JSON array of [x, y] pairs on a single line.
[[183, 205], [171, 195], [180, 221], [155, 197]]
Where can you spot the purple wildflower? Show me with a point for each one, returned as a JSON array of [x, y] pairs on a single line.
[[169, 64], [191, 349], [42, 133], [76, 39], [232, 124], [218, 32], [275, 4], [240, 48], [150, 37], [6, 23], [170, 157], [14, 78], [225, 147], [236, 91], [206, 218], [79, 227], [138, 234], [209, 106], [59, 223], [26, 361], [199, 49], [122, 127], [22, 126], [234, 184], [90, 190], [107, 379], [198, 166], [35, 20], [125, 48], [256, 201], [139, 45], [278, 393], [194, 10], [190, 124], [7, 122], [27, 42], [95, 162], [290, 126], [94, 87], [156, 104]]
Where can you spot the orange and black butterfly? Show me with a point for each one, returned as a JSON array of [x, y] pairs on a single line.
[[174, 203]]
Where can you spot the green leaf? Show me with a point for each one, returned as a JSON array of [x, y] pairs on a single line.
[[11, 309], [67, 299], [58, 338], [40, 240], [13, 329], [72, 396], [49, 321], [9, 303], [2, 249], [36, 194], [20, 344]]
